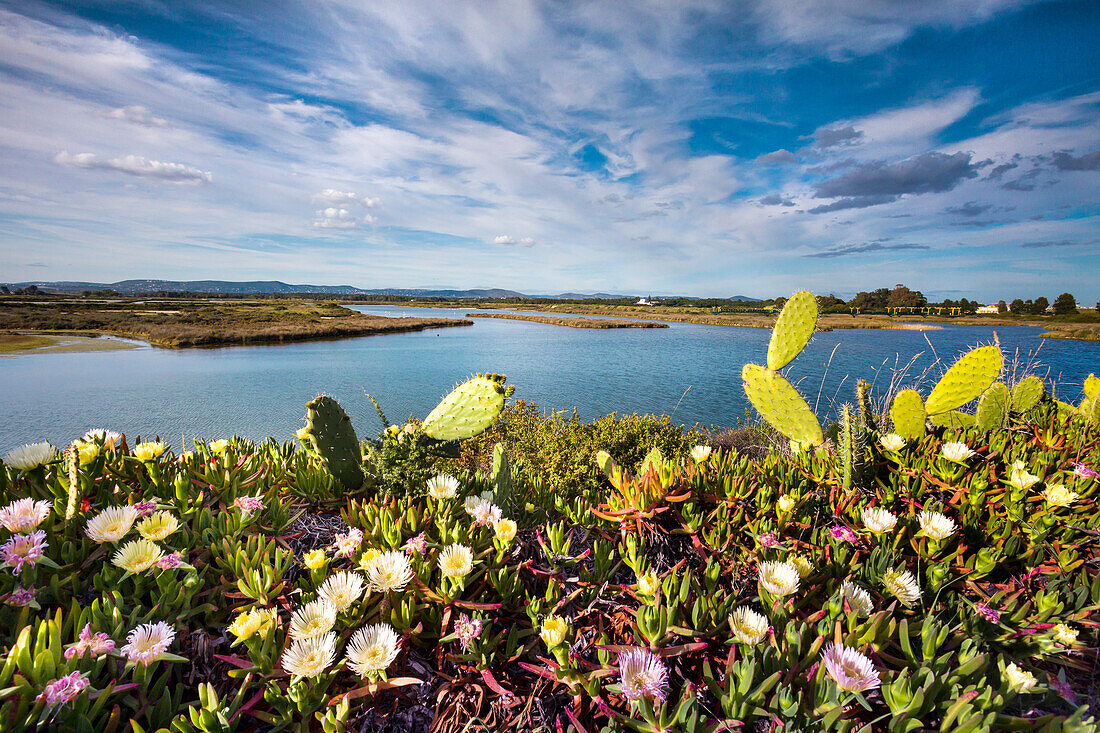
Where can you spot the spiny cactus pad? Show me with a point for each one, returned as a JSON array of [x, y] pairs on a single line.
[[334, 440], [1092, 386], [966, 380], [653, 461], [1027, 393], [792, 330], [954, 419], [780, 404], [993, 407], [908, 415], [469, 409]]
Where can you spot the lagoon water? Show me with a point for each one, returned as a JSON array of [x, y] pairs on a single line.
[[688, 371]]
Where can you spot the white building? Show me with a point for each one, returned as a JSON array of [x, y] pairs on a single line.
[[989, 309]]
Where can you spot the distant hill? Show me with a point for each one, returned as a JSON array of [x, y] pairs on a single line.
[[745, 298]]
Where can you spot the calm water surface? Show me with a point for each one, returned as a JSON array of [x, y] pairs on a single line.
[[689, 371]]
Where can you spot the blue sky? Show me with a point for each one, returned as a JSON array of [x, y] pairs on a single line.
[[706, 148]]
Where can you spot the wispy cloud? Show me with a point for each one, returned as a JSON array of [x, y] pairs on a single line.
[[855, 249], [135, 165]]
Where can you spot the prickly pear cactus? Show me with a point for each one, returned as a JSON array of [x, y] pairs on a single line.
[[469, 409], [333, 438], [781, 405], [793, 329], [654, 460], [993, 407], [853, 444], [954, 419], [866, 414], [966, 380], [1027, 393], [1090, 403], [501, 477], [908, 414], [610, 468]]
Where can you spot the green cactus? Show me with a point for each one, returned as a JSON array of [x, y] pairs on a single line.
[[966, 380], [781, 405], [866, 414], [501, 476], [1091, 386], [333, 438], [1090, 403], [1027, 393], [654, 460], [954, 419], [469, 409], [793, 329], [853, 445], [908, 414], [993, 407]]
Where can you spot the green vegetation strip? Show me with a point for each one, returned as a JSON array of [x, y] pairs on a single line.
[[572, 322]]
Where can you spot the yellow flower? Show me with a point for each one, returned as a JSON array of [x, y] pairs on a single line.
[[302, 435], [1065, 634], [1020, 679], [368, 558], [149, 451], [554, 630], [648, 583], [315, 559], [803, 566], [218, 447], [786, 503], [137, 556], [254, 621], [456, 561], [1059, 495], [88, 452], [505, 530], [157, 526]]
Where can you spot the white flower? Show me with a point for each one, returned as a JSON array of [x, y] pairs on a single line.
[[700, 453], [642, 674], [1065, 634], [474, 502], [786, 503], [456, 561], [1020, 679], [310, 657], [23, 515], [1022, 480], [748, 626], [148, 643], [342, 589], [486, 514], [316, 618], [389, 571], [1059, 495], [33, 455], [903, 585], [778, 578], [858, 598], [107, 437], [892, 442], [936, 525], [372, 649], [957, 452], [852, 671], [157, 526], [442, 486], [112, 524], [801, 565], [137, 556], [878, 520]]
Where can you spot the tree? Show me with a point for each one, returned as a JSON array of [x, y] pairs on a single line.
[[1017, 306], [1065, 304], [1040, 306], [875, 300], [1002, 307], [903, 297]]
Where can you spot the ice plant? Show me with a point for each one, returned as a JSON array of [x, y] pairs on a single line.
[[1082, 471], [309, 657], [849, 669], [249, 505], [505, 530], [956, 452], [1059, 495], [95, 644], [23, 549], [348, 544], [936, 525], [86, 452], [987, 612], [112, 524], [892, 442], [109, 438], [137, 556], [840, 533], [778, 578], [442, 486], [801, 565], [1065, 634], [858, 598], [768, 539], [1021, 479], [389, 571], [157, 526], [23, 515], [1020, 679], [878, 520], [486, 514], [786, 503], [648, 583], [148, 643], [252, 622], [342, 589], [21, 596], [171, 561], [30, 456], [218, 447], [467, 629], [316, 618], [700, 453], [372, 649], [748, 626], [418, 545], [314, 559], [149, 451], [903, 585], [554, 630], [642, 674], [456, 561], [145, 508], [64, 690]]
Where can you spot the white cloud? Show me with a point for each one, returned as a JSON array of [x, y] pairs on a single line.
[[334, 218], [345, 198], [135, 165], [138, 115], [511, 241]]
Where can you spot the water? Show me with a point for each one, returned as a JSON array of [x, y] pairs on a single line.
[[689, 371]]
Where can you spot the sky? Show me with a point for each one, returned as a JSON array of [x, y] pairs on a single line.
[[751, 147]]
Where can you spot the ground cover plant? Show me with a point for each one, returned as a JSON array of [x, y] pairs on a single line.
[[930, 568]]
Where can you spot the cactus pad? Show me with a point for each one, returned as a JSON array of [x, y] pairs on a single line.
[[333, 438], [1027, 393], [966, 380], [993, 407], [1092, 386], [792, 330], [469, 409], [781, 405], [954, 419], [653, 461], [908, 415]]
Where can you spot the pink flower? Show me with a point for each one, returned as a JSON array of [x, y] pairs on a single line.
[[840, 533], [21, 596], [249, 505], [145, 508], [347, 544], [851, 671], [170, 561], [62, 691], [97, 644], [643, 674], [990, 614], [768, 539], [417, 545], [23, 549], [467, 629], [1080, 469]]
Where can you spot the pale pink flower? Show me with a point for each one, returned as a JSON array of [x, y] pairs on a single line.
[[417, 545], [643, 674], [145, 508], [96, 644], [63, 690], [768, 539], [21, 596], [23, 515], [989, 613], [148, 643], [347, 544], [467, 629], [1083, 471], [249, 505], [852, 671], [840, 533], [23, 549], [170, 561], [486, 514]]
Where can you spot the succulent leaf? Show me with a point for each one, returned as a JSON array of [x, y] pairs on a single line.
[[1027, 393], [993, 407], [908, 414], [468, 410]]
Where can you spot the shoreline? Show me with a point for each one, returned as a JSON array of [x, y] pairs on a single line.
[[592, 323]]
